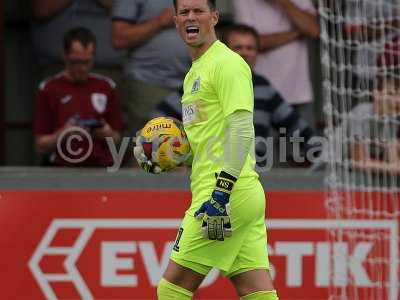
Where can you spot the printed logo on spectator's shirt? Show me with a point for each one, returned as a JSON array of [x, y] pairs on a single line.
[[65, 99], [99, 102], [196, 86], [193, 112]]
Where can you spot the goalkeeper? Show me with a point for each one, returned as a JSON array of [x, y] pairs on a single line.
[[225, 225]]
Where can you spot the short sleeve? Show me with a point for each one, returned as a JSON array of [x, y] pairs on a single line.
[[234, 85], [43, 121], [126, 10]]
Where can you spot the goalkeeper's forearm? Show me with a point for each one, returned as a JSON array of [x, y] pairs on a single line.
[[240, 132]]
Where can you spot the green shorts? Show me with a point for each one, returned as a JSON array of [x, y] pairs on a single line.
[[245, 250]]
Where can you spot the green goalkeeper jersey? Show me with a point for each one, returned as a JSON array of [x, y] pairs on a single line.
[[218, 84]]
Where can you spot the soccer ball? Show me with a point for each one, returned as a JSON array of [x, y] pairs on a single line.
[[164, 143]]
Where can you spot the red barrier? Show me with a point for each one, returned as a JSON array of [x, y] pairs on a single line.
[[114, 245]]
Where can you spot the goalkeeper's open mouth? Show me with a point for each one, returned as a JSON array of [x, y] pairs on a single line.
[[192, 32]]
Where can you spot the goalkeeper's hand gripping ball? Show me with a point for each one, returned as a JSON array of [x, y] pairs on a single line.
[[161, 145]]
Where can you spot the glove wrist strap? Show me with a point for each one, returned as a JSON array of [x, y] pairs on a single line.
[[225, 182]]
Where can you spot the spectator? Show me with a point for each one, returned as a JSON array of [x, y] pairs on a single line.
[[374, 129], [52, 18], [158, 59], [76, 97], [271, 110], [368, 25], [284, 26], [368, 134]]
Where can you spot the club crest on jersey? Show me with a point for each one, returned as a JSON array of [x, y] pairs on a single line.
[[99, 102], [196, 86]]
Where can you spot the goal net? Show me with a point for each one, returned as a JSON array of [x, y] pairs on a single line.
[[361, 79]]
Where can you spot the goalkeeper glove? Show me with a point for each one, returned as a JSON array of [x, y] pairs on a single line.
[[143, 153], [215, 212]]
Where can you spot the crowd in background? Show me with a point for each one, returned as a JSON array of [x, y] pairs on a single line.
[[138, 50], [140, 62]]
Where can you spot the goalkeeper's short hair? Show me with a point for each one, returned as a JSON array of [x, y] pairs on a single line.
[[211, 3]]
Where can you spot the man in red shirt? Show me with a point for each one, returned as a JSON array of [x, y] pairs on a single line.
[[77, 110]]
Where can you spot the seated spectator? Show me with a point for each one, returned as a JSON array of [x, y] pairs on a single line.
[[270, 109], [368, 135], [53, 18], [158, 59], [374, 129], [76, 97]]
